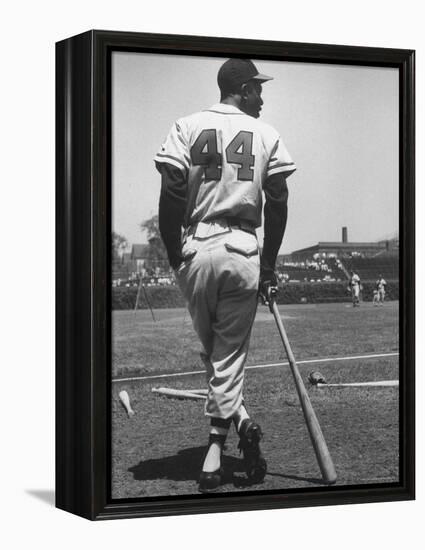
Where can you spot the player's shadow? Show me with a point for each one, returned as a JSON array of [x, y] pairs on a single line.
[[185, 466]]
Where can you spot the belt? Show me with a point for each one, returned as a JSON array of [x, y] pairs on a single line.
[[226, 224], [243, 225]]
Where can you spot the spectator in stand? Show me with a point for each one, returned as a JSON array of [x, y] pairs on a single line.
[[380, 287]]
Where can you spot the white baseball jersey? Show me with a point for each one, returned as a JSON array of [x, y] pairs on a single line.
[[226, 157], [355, 280], [380, 284]]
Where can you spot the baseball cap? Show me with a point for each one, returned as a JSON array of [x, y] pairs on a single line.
[[235, 72]]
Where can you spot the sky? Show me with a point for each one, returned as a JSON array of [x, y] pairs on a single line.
[[339, 124]]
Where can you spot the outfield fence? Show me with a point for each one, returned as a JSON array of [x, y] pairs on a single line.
[[169, 296]]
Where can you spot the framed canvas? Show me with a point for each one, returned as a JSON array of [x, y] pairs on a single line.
[[329, 375]]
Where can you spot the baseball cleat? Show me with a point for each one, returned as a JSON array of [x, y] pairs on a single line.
[[210, 481], [255, 464]]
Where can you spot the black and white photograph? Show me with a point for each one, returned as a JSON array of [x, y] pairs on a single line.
[[212, 237], [254, 275]]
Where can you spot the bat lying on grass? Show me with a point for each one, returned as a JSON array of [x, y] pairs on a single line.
[[125, 401], [181, 394], [317, 379]]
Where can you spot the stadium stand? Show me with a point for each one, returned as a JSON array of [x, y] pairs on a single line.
[[369, 269], [311, 270]]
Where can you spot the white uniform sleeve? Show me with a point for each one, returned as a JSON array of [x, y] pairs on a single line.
[[279, 160], [174, 150]]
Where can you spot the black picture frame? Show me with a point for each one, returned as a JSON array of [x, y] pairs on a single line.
[[83, 227]]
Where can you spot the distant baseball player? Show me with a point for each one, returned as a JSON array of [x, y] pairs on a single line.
[[215, 166], [355, 288], [380, 287]]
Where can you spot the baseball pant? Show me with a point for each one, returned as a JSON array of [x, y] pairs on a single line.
[[219, 280]]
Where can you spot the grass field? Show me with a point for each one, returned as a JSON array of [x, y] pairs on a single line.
[[159, 451]]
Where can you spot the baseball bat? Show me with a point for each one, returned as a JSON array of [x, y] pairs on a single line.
[[199, 392], [319, 444], [378, 384], [125, 400], [179, 394]]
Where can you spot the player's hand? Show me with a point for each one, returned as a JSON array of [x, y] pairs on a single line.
[[268, 286]]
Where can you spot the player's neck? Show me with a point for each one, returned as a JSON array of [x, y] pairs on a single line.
[[235, 102]]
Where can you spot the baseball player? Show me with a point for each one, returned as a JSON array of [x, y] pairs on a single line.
[[215, 166], [380, 287], [355, 288]]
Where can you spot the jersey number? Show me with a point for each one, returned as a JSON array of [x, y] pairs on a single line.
[[204, 152]]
